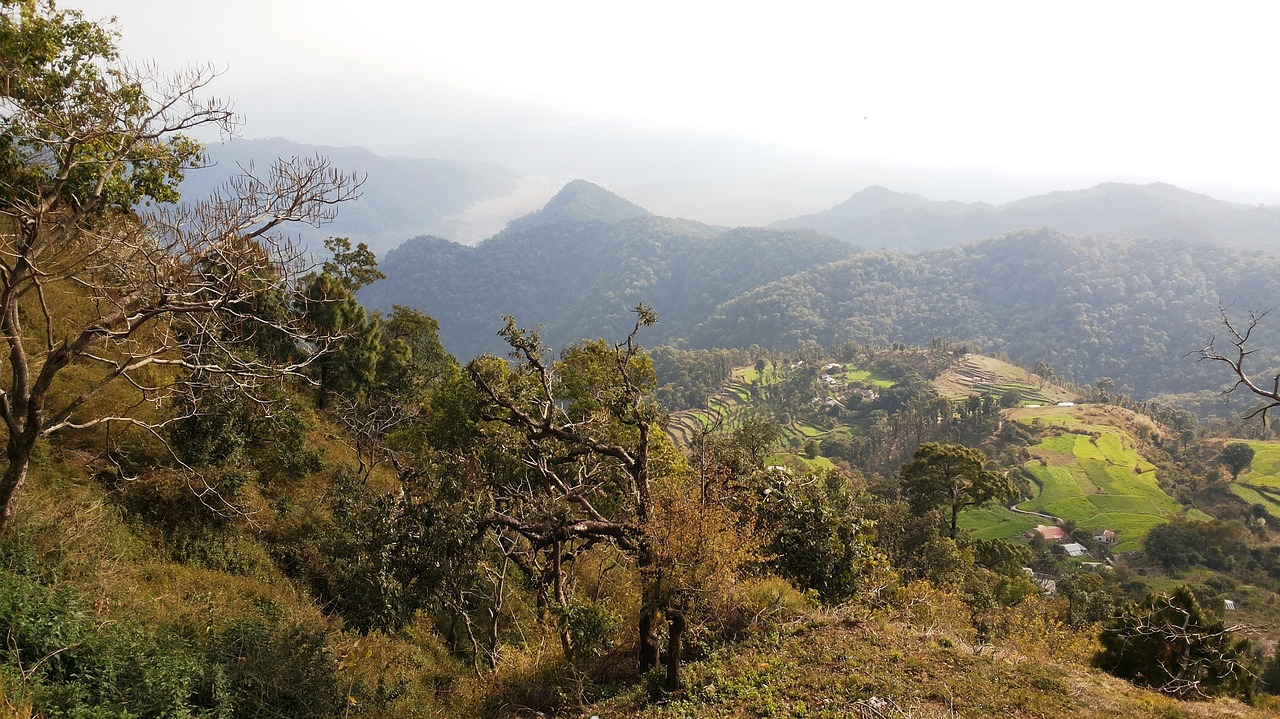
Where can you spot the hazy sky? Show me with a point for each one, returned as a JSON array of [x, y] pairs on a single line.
[[1018, 96]]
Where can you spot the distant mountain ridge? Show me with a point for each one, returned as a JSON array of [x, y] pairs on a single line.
[[580, 264], [401, 197], [1093, 307], [880, 218]]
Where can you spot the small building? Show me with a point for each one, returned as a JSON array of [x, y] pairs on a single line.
[[1075, 550], [1048, 533], [1046, 581], [1066, 404], [1106, 536], [1228, 605]]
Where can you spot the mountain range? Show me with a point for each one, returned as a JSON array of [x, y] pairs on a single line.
[[401, 196], [581, 264], [880, 218], [1093, 305]]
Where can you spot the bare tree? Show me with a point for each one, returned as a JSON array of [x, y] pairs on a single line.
[[586, 444], [1239, 336], [160, 302]]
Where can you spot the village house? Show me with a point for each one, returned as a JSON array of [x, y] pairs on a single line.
[[1075, 550], [1047, 533]]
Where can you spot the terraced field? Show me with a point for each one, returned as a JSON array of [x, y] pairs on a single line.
[[1088, 472], [734, 405], [1260, 484], [977, 374]]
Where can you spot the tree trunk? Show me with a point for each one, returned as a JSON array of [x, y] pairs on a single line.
[[562, 601], [649, 644], [674, 636], [15, 475]]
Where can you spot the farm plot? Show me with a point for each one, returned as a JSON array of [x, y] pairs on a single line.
[[1090, 474], [1265, 470], [1254, 495]]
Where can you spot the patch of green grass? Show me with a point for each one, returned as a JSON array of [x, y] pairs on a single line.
[[1199, 516], [1085, 448], [809, 430], [1252, 496], [1265, 469], [1090, 474], [1124, 504], [820, 462], [1076, 508], [866, 377], [997, 523], [1060, 443], [1056, 483]]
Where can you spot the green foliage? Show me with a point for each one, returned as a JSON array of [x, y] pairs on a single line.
[[580, 270], [1237, 456], [392, 556], [1183, 543], [355, 268], [592, 628], [952, 477], [819, 539], [1170, 644], [56, 56], [1036, 295], [74, 665]]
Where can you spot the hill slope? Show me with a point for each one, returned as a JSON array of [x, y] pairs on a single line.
[[1091, 307], [580, 264]]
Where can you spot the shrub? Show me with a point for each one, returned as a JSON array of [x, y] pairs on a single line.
[[1169, 644]]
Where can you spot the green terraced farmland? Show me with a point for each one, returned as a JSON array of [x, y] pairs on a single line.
[[1252, 496], [1091, 474], [998, 523], [864, 376], [1265, 470], [809, 430], [1260, 483]]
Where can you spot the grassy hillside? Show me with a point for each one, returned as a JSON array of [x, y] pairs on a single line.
[[1086, 469], [915, 662], [978, 374], [1260, 483]]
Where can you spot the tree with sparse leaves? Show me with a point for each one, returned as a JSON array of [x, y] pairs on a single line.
[[1168, 643], [584, 429], [145, 306]]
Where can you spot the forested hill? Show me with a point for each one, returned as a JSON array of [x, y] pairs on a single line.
[[580, 264], [880, 218], [401, 196], [1092, 307]]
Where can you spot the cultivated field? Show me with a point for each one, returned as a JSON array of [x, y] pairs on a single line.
[[1260, 483], [1086, 469]]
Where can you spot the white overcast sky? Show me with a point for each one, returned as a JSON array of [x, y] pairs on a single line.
[[1140, 91]]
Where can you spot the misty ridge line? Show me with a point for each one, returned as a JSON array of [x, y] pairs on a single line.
[[468, 202]]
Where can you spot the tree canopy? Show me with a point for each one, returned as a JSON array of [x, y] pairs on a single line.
[[952, 477], [173, 292]]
